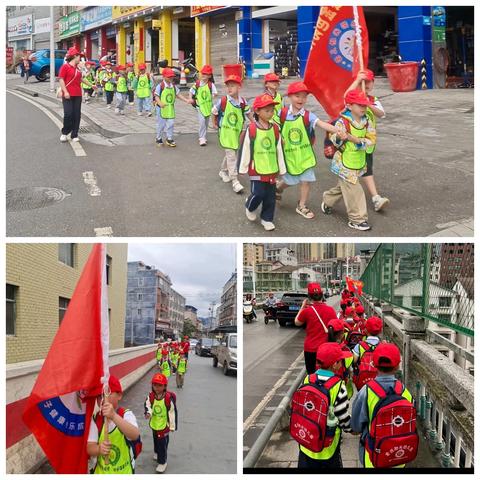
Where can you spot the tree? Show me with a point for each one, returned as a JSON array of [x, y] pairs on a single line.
[[189, 328]]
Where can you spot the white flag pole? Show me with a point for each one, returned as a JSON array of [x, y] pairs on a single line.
[[358, 40]]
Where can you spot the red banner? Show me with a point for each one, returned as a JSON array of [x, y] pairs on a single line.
[[195, 11], [9, 55], [333, 56]]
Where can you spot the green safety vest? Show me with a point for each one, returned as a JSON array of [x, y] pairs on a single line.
[[130, 78], [122, 84], [328, 452], [299, 154], [159, 355], [232, 125], [182, 365], [372, 120], [265, 152], [119, 460], [109, 87], [143, 86], [100, 74], [159, 417], [90, 78], [351, 157], [277, 108], [165, 367], [204, 100], [167, 96]]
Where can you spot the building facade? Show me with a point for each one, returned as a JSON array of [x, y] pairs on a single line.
[[41, 279], [456, 260], [253, 253], [227, 311]]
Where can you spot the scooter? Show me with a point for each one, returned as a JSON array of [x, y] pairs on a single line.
[[187, 65], [270, 314], [248, 311]]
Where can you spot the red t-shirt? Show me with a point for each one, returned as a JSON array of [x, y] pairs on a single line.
[[72, 78], [316, 333], [185, 347]]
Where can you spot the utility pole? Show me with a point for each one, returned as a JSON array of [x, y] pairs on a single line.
[[253, 274], [52, 49]]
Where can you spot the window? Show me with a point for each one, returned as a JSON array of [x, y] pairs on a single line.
[[398, 299], [58, 55], [11, 297], [444, 317], [140, 281], [66, 253], [62, 308], [139, 312], [416, 301], [139, 297], [109, 269], [444, 301]]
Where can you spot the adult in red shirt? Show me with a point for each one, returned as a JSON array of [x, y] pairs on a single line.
[[315, 314], [70, 79], [185, 346]]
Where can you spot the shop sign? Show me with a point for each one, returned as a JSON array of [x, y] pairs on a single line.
[[69, 25], [42, 25], [20, 26], [9, 55], [119, 12], [95, 17], [195, 11]]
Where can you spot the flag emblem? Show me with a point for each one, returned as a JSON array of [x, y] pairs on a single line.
[[341, 43]]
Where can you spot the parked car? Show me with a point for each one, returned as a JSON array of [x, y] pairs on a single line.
[[193, 343], [225, 353], [288, 307], [204, 347], [41, 63]]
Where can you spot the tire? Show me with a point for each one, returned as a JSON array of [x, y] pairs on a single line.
[[44, 74], [226, 371], [215, 362], [282, 323], [266, 320]]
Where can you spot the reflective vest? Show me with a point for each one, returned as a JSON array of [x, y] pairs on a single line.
[[351, 157], [182, 365], [143, 86], [167, 97], [130, 78], [276, 116], [89, 77], [109, 87], [265, 151], [299, 154], [328, 452], [122, 84], [165, 367], [100, 74], [159, 354], [159, 417], [204, 99], [232, 125], [119, 460]]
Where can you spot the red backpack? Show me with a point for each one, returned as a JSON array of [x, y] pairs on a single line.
[[365, 370], [309, 413], [392, 438], [353, 336], [306, 123]]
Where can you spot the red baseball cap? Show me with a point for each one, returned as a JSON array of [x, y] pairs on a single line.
[[129, 64], [108, 63], [297, 87], [103, 63], [314, 288], [271, 77], [121, 67], [233, 78], [329, 353], [142, 66], [374, 325], [90, 63], [386, 355], [164, 352], [369, 74], [73, 52], [168, 73], [263, 101], [113, 383], [207, 70], [349, 311], [336, 324], [359, 309], [357, 97], [159, 379]]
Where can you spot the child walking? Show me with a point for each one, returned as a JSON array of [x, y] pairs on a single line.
[[181, 370], [88, 82], [130, 79], [262, 158], [108, 81], [272, 84], [142, 84], [121, 90]]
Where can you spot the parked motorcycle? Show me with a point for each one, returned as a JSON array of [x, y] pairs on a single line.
[[248, 314], [191, 71], [270, 314]]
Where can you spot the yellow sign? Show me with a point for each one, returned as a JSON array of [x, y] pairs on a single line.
[[156, 24], [119, 12]]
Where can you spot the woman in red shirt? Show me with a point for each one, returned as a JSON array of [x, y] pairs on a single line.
[[316, 314]]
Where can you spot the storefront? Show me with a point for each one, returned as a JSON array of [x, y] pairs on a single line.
[[183, 34], [69, 31], [20, 33], [99, 36]]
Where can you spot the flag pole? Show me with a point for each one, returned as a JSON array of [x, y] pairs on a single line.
[[358, 39]]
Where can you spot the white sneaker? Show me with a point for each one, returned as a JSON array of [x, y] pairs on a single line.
[[202, 142], [149, 114], [224, 176], [117, 110], [122, 112], [139, 114], [268, 226], [161, 467], [109, 107], [379, 202], [63, 138], [237, 186], [252, 216], [76, 139]]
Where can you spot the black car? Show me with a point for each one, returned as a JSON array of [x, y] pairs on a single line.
[[288, 307], [204, 347]]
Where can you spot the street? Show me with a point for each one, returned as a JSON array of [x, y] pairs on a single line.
[[127, 186]]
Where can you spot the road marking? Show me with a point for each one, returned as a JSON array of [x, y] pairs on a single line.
[[91, 182], [76, 147], [280, 382], [103, 232]]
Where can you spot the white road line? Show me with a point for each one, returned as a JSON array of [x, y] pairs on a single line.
[[91, 181], [260, 407], [103, 232], [77, 148]]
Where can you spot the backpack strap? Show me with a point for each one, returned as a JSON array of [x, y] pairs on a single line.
[[398, 388], [223, 104], [377, 389], [283, 115], [312, 378], [325, 329], [331, 382], [252, 131], [276, 132]]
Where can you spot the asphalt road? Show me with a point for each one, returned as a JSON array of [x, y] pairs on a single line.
[[151, 191]]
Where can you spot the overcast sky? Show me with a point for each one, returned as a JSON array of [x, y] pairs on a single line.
[[197, 270]]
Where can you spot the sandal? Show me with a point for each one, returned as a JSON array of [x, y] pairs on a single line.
[[278, 195], [304, 211]]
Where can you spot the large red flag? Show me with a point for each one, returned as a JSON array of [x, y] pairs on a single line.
[[59, 410], [333, 57]]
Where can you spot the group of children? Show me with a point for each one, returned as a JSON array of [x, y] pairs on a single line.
[[172, 359], [383, 410]]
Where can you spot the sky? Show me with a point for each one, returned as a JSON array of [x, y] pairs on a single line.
[[198, 271]]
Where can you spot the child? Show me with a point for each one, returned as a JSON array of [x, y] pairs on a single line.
[[122, 429], [262, 158], [88, 82], [165, 366], [373, 327], [108, 81], [366, 409], [165, 94], [161, 410], [99, 78], [173, 357], [349, 161], [181, 370], [297, 127], [272, 83], [130, 79], [142, 84], [202, 94], [121, 90], [230, 111], [374, 111]]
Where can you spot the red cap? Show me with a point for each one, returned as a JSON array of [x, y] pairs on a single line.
[[357, 97], [374, 325], [90, 63], [355, 300], [168, 73], [349, 311], [314, 288], [164, 352], [297, 87], [142, 66], [336, 324], [103, 63], [108, 63], [129, 64], [159, 379], [113, 384], [185, 337], [233, 78], [359, 309], [386, 355], [207, 70], [369, 74], [72, 52], [263, 101], [121, 67], [329, 353], [271, 77]]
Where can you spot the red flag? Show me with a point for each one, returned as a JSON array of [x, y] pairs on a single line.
[[58, 411], [332, 58]]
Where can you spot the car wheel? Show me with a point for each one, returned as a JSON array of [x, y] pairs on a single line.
[[282, 323], [225, 368], [215, 362], [44, 74]]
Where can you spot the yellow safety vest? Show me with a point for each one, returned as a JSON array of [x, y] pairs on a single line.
[[119, 460], [351, 157], [159, 417], [265, 151]]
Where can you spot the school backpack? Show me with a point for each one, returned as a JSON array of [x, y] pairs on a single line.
[[353, 336], [392, 438], [170, 397], [309, 412], [365, 370], [135, 445], [194, 96], [223, 106], [306, 123]]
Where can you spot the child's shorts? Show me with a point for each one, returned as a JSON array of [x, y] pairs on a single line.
[[369, 171], [306, 176]]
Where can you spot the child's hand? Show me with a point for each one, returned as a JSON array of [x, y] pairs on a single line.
[[108, 410], [105, 447], [160, 104], [361, 76], [147, 416], [342, 134]]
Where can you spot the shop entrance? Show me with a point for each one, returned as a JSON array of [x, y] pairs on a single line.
[[186, 38]]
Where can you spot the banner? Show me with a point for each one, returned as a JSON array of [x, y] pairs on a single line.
[[94, 17], [119, 12], [42, 25], [195, 11], [9, 57], [20, 26], [69, 25], [332, 56]]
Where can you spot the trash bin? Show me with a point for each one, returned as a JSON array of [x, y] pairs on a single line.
[[234, 69], [403, 76]]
